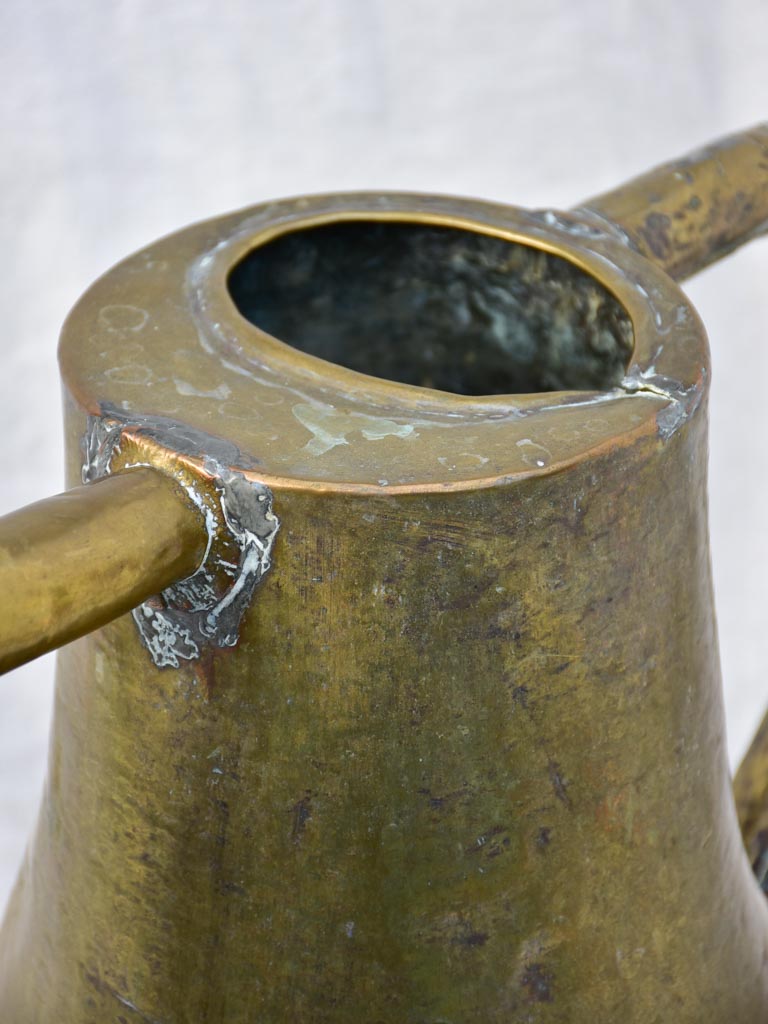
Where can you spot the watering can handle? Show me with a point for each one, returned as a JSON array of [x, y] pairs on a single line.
[[690, 212], [684, 216]]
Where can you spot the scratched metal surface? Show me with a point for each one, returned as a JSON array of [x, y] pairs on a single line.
[[127, 121]]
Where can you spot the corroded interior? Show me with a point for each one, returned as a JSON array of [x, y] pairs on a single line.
[[436, 306]]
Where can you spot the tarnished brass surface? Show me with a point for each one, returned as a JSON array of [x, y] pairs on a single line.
[[691, 212], [466, 761], [74, 562]]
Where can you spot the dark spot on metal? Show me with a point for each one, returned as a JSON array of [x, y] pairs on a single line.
[[520, 697], [559, 784], [693, 203], [435, 802], [655, 233], [543, 839], [537, 982], [302, 813], [233, 887], [488, 843]]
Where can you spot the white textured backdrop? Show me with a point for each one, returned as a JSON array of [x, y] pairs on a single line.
[[125, 120]]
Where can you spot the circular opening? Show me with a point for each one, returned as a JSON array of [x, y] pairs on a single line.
[[440, 307]]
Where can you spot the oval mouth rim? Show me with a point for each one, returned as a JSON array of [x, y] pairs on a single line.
[[593, 248], [282, 352], [668, 366]]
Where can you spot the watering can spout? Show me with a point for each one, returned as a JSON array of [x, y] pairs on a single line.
[[690, 212]]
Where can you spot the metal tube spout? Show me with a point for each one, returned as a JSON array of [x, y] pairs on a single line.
[[692, 211]]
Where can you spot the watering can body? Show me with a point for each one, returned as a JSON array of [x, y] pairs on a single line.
[[416, 715]]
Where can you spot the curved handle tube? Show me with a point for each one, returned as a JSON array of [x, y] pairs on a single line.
[[688, 213], [74, 562], [750, 788]]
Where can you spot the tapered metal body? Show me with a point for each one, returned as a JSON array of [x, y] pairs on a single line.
[[459, 757]]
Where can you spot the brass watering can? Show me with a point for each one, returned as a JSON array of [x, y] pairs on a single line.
[[396, 696]]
